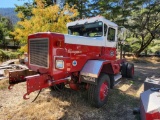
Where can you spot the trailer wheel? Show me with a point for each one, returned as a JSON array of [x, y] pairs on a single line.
[[124, 69], [130, 70], [98, 94], [58, 87]]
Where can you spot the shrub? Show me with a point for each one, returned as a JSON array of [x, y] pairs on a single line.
[[5, 55]]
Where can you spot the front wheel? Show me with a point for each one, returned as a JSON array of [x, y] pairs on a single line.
[[98, 94]]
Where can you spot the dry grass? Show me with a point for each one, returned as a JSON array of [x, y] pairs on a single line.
[[73, 105], [3, 84], [70, 105], [42, 109], [144, 59]]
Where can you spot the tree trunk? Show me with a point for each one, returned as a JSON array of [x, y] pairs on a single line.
[[124, 54], [146, 53], [144, 46]]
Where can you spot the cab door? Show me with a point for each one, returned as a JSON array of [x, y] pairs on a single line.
[[111, 37], [110, 34]]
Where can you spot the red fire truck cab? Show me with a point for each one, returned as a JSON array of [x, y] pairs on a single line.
[[83, 58]]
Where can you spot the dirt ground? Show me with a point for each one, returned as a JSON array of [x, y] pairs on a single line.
[[73, 105]]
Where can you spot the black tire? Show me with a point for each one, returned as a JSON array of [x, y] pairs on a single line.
[[112, 82], [58, 87], [97, 98], [124, 69], [130, 70]]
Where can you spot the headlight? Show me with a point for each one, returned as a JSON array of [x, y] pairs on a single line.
[[59, 64]]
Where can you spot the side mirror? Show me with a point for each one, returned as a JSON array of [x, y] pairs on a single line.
[[122, 33]]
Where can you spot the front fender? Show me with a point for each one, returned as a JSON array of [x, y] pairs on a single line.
[[91, 70]]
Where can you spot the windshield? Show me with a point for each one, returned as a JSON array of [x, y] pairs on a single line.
[[94, 29]]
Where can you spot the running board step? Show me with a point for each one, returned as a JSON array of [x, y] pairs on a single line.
[[117, 79]]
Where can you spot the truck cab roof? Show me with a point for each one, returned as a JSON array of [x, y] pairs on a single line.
[[91, 20]]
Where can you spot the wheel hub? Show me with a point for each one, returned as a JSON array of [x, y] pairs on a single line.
[[103, 91]]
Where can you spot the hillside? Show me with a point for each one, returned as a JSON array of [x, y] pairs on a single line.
[[10, 13]]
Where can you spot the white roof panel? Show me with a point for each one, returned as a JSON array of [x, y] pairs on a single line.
[[93, 19]]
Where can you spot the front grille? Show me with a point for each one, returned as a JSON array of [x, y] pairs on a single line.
[[39, 52]]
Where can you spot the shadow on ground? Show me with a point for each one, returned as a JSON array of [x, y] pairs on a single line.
[[119, 106], [73, 105]]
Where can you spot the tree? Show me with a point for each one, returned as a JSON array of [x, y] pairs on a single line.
[[5, 28], [114, 10], [81, 6], [140, 17], [1, 33], [145, 24], [51, 18], [99, 7], [26, 8]]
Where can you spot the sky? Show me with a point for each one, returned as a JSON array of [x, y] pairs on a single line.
[[11, 3]]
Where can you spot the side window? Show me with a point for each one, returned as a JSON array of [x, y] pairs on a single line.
[[111, 34], [105, 29]]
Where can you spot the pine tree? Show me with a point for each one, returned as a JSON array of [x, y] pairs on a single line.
[[5, 28], [145, 24], [81, 6]]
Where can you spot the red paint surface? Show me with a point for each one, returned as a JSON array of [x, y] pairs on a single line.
[[70, 53]]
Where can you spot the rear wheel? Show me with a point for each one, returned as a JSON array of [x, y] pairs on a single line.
[[124, 69], [98, 94], [130, 70]]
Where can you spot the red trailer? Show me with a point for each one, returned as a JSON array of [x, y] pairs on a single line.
[[83, 58]]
